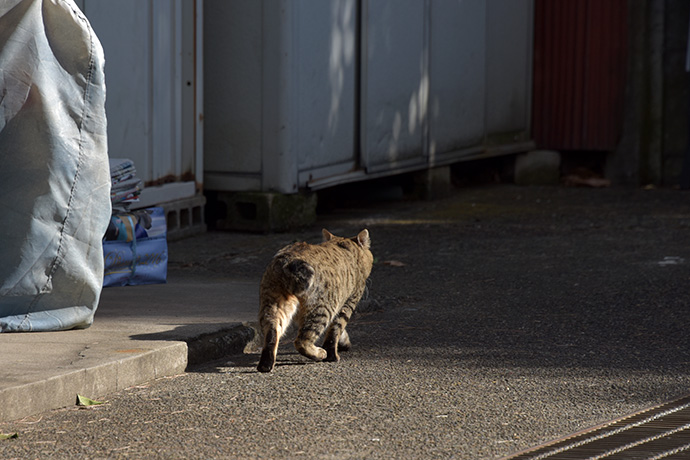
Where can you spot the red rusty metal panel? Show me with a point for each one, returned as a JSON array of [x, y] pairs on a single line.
[[580, 61]]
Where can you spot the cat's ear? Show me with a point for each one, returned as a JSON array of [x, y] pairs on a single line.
[[327, 236], [363, 239]]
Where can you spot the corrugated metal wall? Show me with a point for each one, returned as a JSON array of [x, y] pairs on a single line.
[[580, 63]]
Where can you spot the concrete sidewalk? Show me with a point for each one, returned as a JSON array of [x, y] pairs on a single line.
[[140, 333]]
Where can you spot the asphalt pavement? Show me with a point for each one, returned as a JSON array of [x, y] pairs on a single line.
[[497, 319]]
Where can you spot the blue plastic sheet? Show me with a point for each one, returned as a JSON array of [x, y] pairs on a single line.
[[136, 248], [54, 179]]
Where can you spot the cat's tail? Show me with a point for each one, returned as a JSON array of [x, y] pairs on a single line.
[[300, 276]]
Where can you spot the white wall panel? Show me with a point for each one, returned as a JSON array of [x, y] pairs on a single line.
[[324, 58], [395, 80], [233, 45], [152, 83], [509, 69], [458, 74]]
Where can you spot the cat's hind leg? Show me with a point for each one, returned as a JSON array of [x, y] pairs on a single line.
[[337, 337], [344, 343], [312, 324], [275, 315]]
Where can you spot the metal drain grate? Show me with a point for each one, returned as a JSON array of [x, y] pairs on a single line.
[[662, 432]]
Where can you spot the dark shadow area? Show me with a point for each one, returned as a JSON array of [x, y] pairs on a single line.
[[185, 333], [203, 347], [365, 193], [496, 170], [245, 363]]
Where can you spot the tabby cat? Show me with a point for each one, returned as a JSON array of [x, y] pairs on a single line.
[[320, 285]]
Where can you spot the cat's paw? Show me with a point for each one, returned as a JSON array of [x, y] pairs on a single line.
[[266, 362], [319, 354], [262, 367], [310, 351], [332, 356]]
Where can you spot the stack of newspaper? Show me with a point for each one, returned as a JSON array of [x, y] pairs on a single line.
[[126, 187]]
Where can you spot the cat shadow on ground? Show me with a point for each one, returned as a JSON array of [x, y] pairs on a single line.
[[185, 332], [233, 346], [227, 340], [246, 363]]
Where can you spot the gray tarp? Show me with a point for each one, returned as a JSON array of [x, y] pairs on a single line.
[[54, 176]]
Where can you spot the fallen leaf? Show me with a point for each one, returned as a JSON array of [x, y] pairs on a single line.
[[9, 436], [393, 263], [84, 401]]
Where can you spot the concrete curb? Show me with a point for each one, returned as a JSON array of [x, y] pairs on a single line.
[[168, 358], [216, 345]]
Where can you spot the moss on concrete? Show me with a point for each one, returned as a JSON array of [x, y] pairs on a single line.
[[266, 211]]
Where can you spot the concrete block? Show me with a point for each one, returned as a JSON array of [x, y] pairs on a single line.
[[538, 167], [185, 217], [265, 211], [433, 183]]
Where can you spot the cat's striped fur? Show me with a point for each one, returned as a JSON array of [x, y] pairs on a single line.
[[320, 286]]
